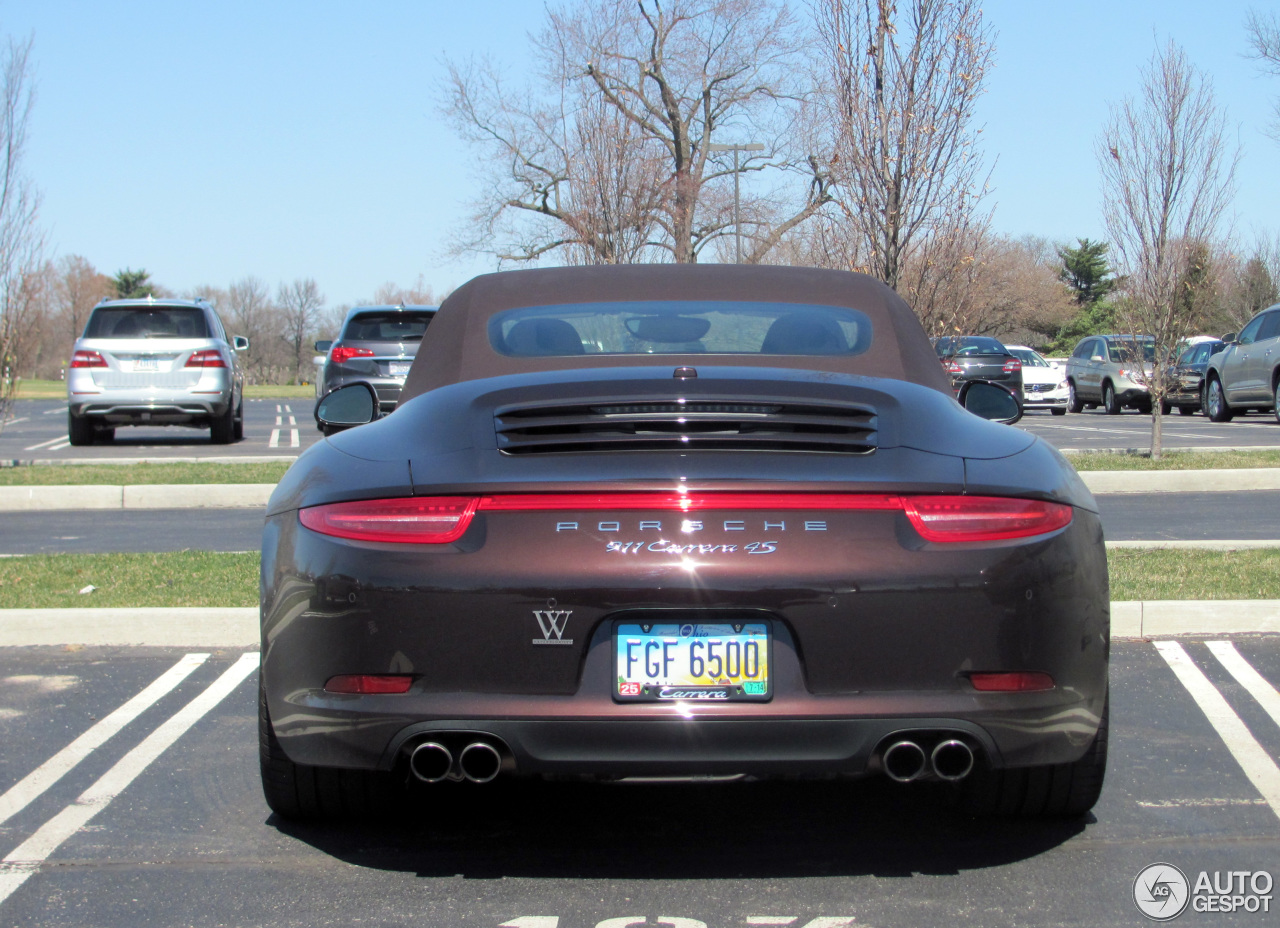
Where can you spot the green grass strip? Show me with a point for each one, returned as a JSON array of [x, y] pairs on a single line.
[[1175, 460], [132, 474], [203, 578], [179, 578]]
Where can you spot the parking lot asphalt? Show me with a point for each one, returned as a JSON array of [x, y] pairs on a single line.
[[129, 796]]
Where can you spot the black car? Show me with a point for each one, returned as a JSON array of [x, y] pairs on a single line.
[[376, 346], [676, 521], [978, 357], [1186, 386]]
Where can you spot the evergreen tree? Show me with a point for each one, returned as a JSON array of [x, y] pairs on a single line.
[[131, 284], [1085, 270]]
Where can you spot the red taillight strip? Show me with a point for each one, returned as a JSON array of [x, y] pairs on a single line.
[[88, 359], [442, 519]]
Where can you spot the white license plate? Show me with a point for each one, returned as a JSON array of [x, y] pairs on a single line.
[[711, 661], [146, 365], [400, 368]]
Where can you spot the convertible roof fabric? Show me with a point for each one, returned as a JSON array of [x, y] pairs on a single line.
[[457, 347]]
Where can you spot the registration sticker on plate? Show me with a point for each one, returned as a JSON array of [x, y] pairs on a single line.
[[400, 368], [719, 661]]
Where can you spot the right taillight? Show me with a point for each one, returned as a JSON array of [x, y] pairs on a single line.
[[341, 353], [211, 357], [983, 518], [88, 359]]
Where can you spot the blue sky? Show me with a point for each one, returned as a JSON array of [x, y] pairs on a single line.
[[285, 140]]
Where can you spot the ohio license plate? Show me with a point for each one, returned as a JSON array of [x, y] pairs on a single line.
[[723, 661], [400, 368], [146, 364]]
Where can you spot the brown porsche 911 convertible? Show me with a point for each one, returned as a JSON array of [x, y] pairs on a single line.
[[676, 521]]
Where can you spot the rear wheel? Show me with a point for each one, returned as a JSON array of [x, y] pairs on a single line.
[[1186, 410], [237, 430], [1275, 405], [1166, 408], [79, 429], [222, 430], [1059, 410], [296, 791], [1073, 398], [1053, 790], [1110, 402], [1216, 402]]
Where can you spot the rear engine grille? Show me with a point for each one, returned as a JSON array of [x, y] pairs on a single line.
[[703, 425]]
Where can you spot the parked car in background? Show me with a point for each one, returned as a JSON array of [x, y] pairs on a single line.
[[1246, 373], [979, 357], [155, 362], [1111, 371], [1044, 382], [1186, 386], [377, 345], [681, 520]]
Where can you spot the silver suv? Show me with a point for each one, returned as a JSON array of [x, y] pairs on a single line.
[[376, 346], [1110, 371], [155, 362], [1246, 374]]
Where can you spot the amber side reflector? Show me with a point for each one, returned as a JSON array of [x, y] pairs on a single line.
[[1021, 681], [366, 684]]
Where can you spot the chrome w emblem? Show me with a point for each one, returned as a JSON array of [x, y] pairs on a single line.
[[553, 622]]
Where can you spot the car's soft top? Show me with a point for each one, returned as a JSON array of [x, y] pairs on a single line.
[[459, 348]]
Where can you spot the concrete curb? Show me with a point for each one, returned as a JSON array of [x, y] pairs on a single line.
[[238, 628], [251, 495]]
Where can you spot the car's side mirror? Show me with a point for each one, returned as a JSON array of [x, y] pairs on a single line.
[[1230, 337], [324, 344], [346, 407], [239, 343], [990, 401], [1055, 365]]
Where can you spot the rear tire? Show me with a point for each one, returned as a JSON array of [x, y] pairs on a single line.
[[1110, 402], [1050, 791], [237, 430], [1275, 405], [296, 791], [1166, 408], [79, 430], [1073, 399], [1058, 410], [1186, 410], [222, 430], [1216, 402]]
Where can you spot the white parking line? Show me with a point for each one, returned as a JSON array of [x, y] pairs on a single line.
[[274, 440], [52, 770], [54, 412], [278, 409], [293, 421], [1247, 677], [65, 444], [1251, 756], [288, 409], [19, 419], [26, 859], [43, 443], [294, 441]]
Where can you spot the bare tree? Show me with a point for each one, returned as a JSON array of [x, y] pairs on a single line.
[[300, 306], [1168, 176], [609, 156], [252, 314], [902, 90], [1264, 45], [20, 241]]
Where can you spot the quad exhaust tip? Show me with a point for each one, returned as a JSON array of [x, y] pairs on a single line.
[[478, 762], [952, 760], [431, 762], [904, 761]]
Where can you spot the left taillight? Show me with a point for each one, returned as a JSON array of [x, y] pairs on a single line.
[[1012, 366], [88, 359], [209, 358], [416, 520], [983, 518]]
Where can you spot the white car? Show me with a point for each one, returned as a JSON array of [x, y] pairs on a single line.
[[1044, 383]]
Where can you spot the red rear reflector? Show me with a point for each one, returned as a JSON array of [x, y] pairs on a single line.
[[87, 359], [417, 520], [211, 357], [341, 353], [983, 518], [365, 684], [1023, 681]]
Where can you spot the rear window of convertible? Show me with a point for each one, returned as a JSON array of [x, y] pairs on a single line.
[[679, 327]]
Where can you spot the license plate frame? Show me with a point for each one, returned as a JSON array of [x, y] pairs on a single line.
[[681, 639], [146, 366]]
